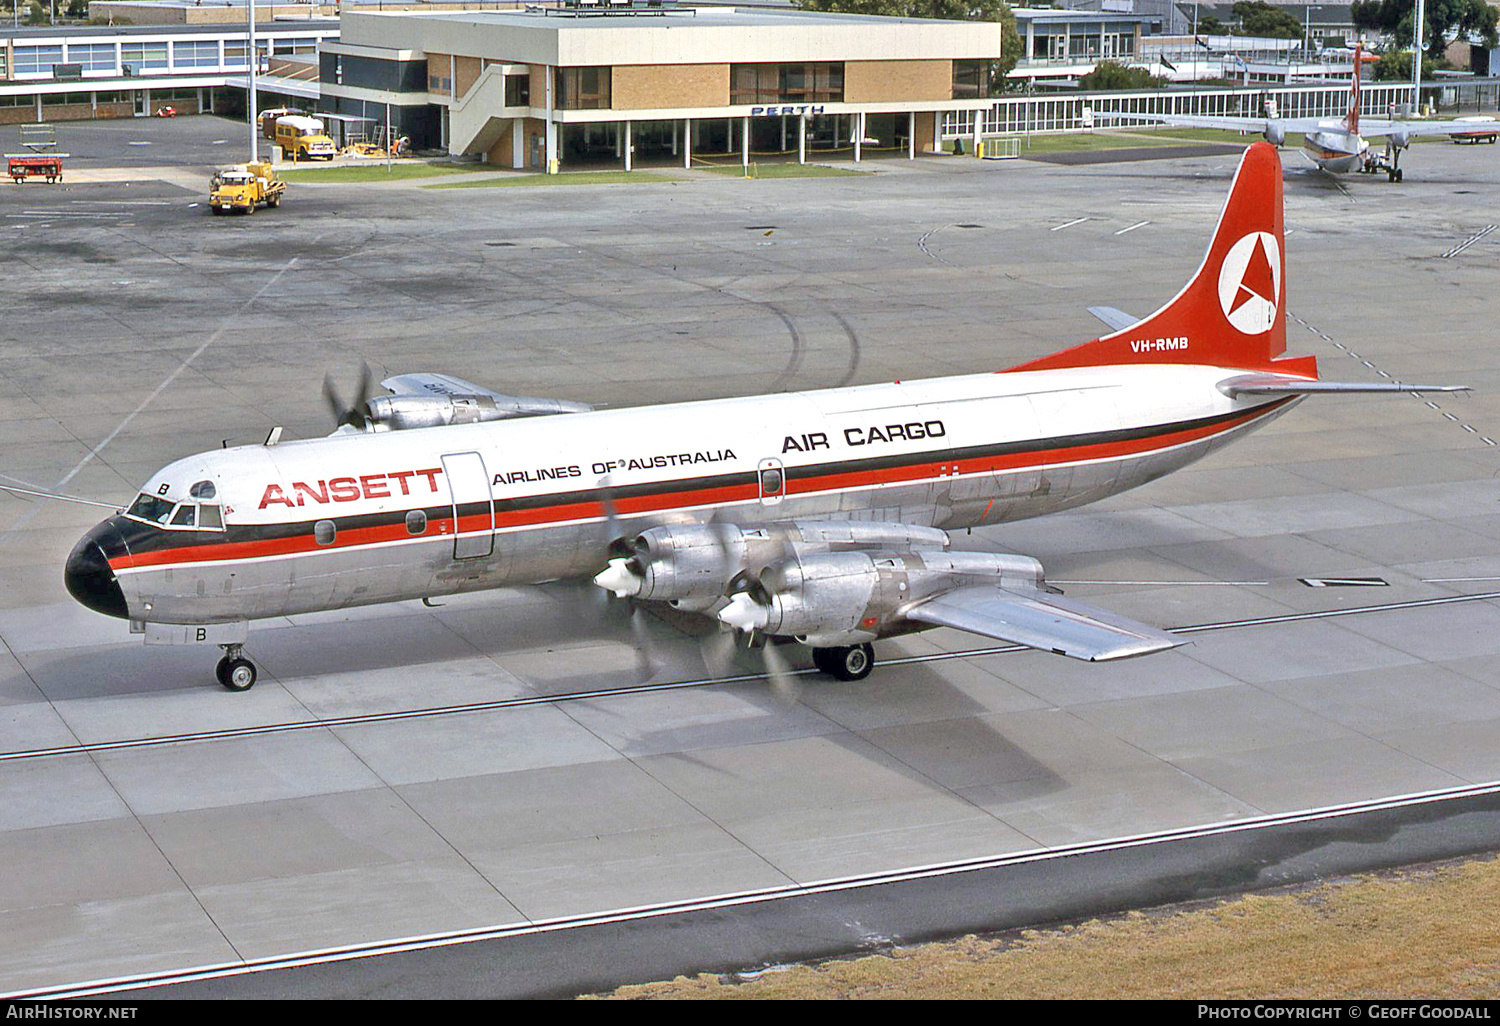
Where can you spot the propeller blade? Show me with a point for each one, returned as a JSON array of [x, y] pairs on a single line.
[[351, 414], [718, 651], [783, 684], [646, 664]]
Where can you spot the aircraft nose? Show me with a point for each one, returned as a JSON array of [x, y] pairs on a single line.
[[88, 576]]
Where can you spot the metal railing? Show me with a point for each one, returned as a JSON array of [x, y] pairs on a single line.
[[1013, 115]]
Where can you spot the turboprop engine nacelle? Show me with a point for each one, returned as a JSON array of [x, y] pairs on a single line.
[[402, 412], [850, 597], [693, 565]]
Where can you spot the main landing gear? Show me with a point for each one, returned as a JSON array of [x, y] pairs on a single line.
[[235, 672], [845, 662], [1389, 162]]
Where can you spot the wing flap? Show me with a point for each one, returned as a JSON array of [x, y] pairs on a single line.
[[1048, 623]]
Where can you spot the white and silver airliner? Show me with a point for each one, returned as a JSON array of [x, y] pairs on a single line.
[[1336, 145], [819, 516]]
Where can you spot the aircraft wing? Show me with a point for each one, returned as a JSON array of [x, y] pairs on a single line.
[[1375, 128], [429, 384], [1229, 122], [1043, 621]]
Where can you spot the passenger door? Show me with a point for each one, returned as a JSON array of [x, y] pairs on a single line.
[[473, 505]]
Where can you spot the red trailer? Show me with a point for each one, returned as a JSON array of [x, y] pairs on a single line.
[[42, 165]]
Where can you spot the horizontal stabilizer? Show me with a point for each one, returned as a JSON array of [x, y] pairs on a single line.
[[1277, 384], [1043, 621], [1115, 320]]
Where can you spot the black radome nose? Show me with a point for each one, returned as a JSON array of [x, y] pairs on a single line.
[[91, 581]]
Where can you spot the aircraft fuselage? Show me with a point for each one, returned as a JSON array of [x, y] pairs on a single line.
[[356, 519]]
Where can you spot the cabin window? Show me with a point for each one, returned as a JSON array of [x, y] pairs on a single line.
[[186, 515], [416, 522], [203, 490], [324, 532], [209, 517], [770, 482]]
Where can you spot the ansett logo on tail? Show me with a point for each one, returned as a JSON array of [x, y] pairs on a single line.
[[1250, 283]]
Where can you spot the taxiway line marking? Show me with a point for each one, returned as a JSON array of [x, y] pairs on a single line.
[[1060, 227], [524, 701], [1456, 250], [1138, 224], [1415, 395], [749, 897]]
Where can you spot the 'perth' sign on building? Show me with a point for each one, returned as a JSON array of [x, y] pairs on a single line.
[[806, 110]]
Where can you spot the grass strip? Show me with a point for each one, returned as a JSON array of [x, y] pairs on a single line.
[[565, 178], [1419, 932], [374, 172]]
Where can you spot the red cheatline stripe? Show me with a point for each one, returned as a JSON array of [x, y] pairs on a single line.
[[352, 537]]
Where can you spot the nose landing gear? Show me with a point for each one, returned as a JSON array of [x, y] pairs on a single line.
[[235, 672]]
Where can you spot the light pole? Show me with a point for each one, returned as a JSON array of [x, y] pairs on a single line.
[[254, 133], [1416, 60]]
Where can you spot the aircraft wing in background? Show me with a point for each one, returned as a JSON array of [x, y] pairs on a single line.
[[1225, 121], [429, 384]]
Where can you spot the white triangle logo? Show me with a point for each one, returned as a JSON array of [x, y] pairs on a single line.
[[1250, 283]]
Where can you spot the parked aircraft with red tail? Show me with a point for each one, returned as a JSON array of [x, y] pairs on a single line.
[[1336, 145], [820, 516]]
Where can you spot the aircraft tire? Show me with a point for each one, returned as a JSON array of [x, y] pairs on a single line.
[[236, 674], [845, 662]]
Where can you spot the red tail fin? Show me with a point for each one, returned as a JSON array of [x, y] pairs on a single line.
[[1351, 120], [1233, 311]]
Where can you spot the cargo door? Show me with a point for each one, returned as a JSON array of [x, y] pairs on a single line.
[[473, 505]]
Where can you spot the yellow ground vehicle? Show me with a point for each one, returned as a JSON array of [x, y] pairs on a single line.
[[302, 138], [245, 187]]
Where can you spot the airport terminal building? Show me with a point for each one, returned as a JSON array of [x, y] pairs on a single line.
[[612, 84]]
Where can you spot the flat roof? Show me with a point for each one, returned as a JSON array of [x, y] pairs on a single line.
[[37, 32], [1039, 14], [707, 35], [564, 19]]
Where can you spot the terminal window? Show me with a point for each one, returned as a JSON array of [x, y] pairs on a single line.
[[518, 91], [32, 60], [971, 80], [196, 54], [818, 82], [582, 88], [93, 56], [144, 55]]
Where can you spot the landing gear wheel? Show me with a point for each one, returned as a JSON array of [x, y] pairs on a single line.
[[845, 662], [236, 674], [1399, 174]]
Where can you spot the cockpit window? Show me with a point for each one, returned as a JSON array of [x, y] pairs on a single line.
[[186, 515], [150, 508], [210, 517], [203, 490]]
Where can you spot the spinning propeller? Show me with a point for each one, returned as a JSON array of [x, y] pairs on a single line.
[[353, 414], [618, 581]]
